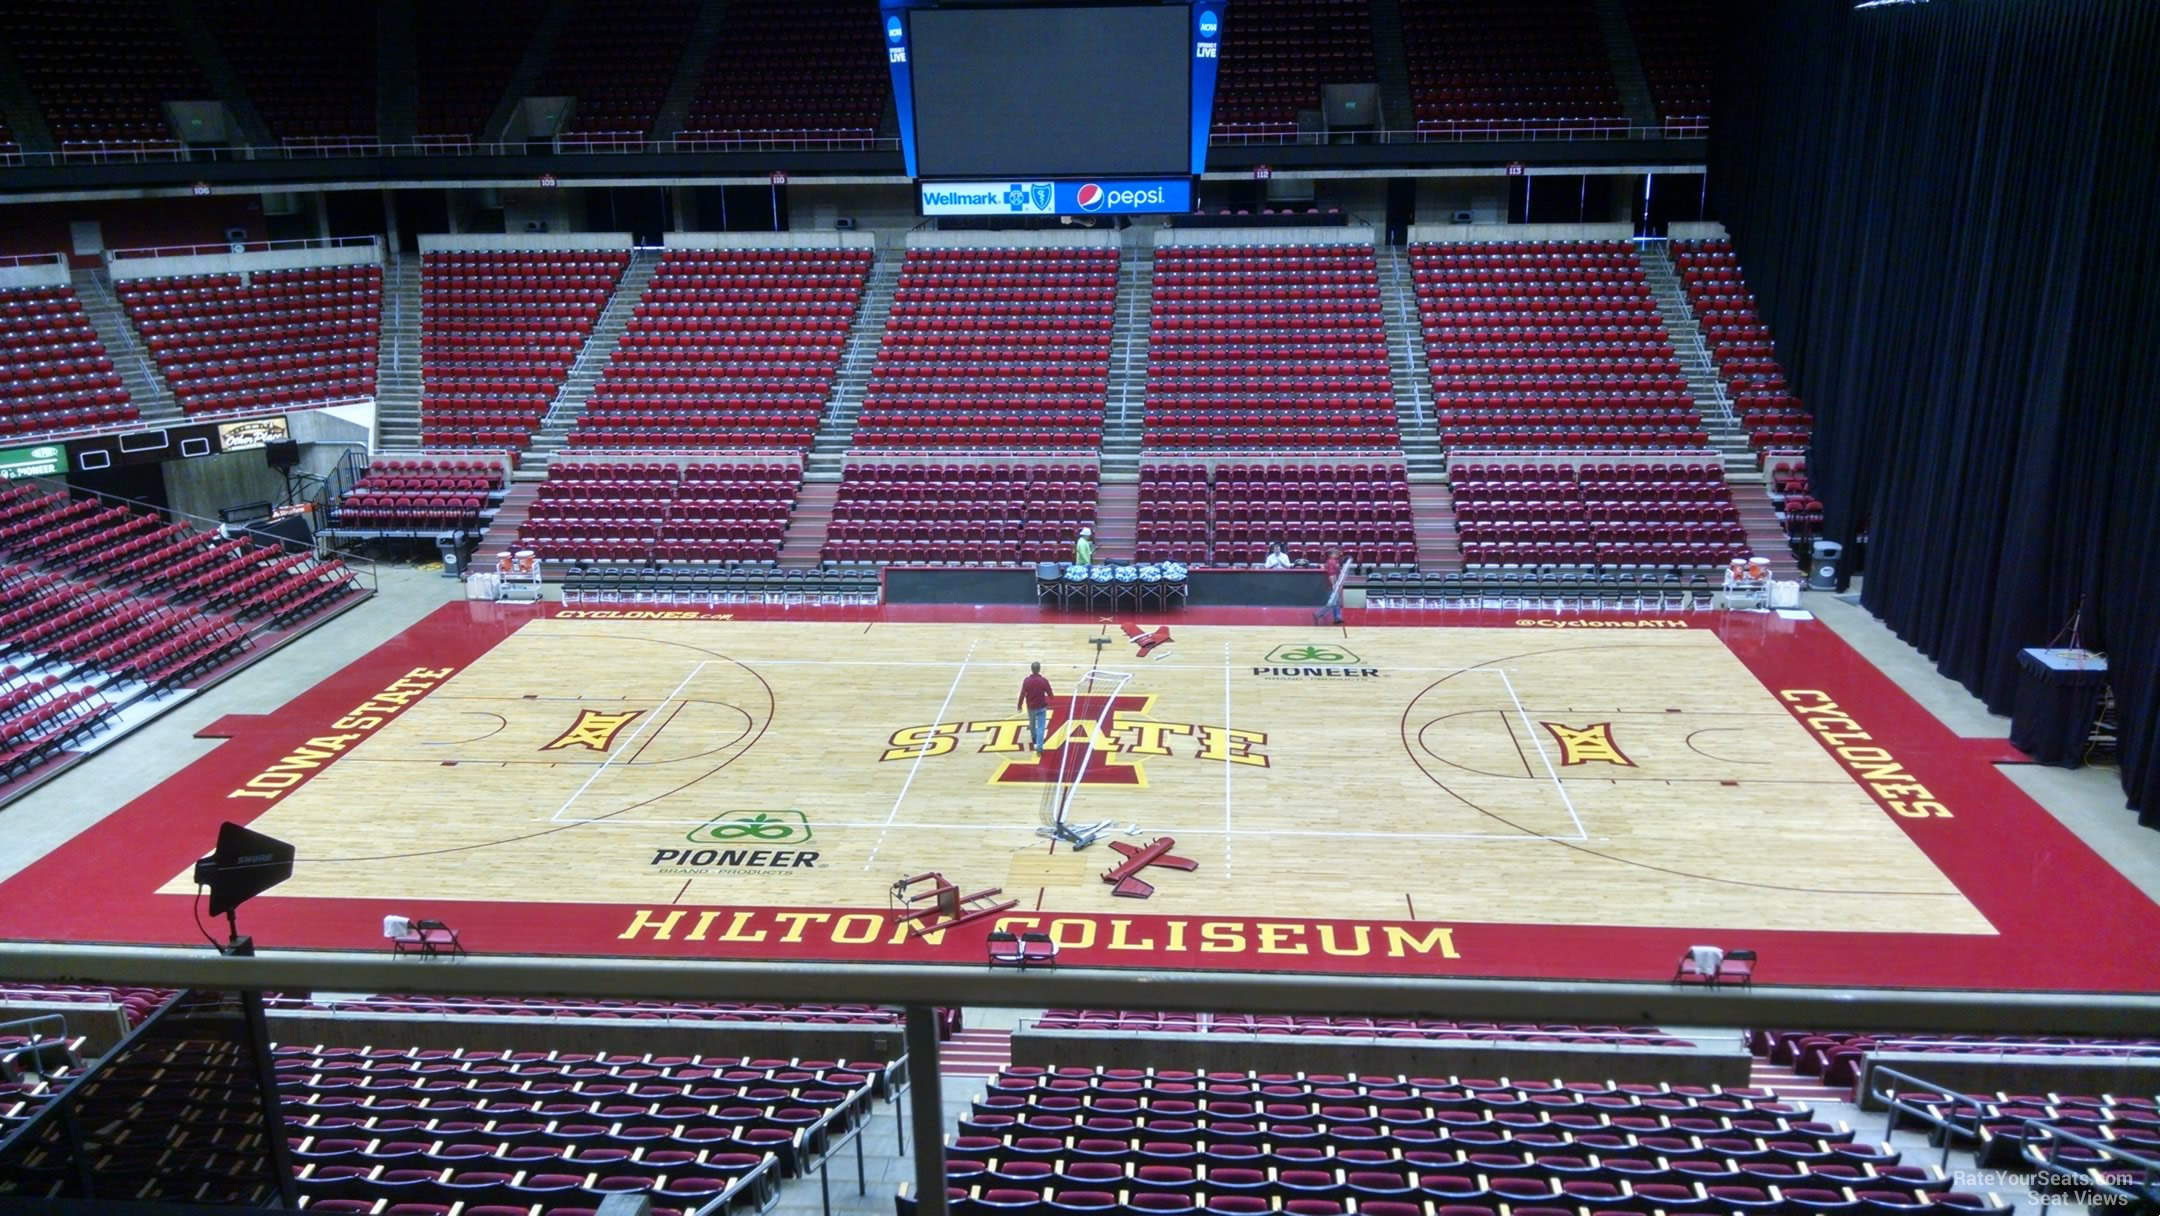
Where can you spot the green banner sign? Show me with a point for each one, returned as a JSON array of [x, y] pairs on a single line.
[[47, 460]]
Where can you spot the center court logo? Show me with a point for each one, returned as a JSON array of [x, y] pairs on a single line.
[[1313, 660]]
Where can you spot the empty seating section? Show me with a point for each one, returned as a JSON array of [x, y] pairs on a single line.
[[310, 71], [134, 1004], [793, 70], [523, 1128], [102, 605], [419, 496], [614, 60], [465, 64], [1229, 515], [1507, 65], [498, 333], [960, 513], [575, 1007], [728, 348], [994, 348], [1641, 515], [102, 70], [1305, 1026], [1230, 1143], [647, 513], [1677, 42], [1549, 346], [261, 341], [1276, 55], [1740, 345], [8, 146], [1835, 1055], [54, 372], [1269, 346]]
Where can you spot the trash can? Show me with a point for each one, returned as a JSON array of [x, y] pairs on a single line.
[[1824, 559]]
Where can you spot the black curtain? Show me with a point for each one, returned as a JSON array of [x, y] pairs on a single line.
[[1946, 211]]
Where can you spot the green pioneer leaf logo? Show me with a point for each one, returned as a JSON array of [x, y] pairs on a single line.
[[753, 827], [1294, 653]]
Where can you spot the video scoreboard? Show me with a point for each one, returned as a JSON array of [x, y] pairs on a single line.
[[1084, 109]]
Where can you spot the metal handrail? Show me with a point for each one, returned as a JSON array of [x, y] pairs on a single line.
[[2145, 1192], [1206, 1026], [760, 1183], [1948, 1126], [278, 246]]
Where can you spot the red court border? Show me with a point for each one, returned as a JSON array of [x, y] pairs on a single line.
[[2066, 920]]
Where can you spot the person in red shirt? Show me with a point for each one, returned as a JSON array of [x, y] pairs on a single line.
[[1035, 699], [1338, 573]]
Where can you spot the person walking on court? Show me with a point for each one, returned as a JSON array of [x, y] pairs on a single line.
[[1338, 573], [1035, 699], [1084, 548]]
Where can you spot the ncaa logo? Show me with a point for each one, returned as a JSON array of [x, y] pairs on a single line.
[[892, 28], [1090, 197], [1208, 24]]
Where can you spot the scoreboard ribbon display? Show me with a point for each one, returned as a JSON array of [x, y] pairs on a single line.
[[1110, 196]]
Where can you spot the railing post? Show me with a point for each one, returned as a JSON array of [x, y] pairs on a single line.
[[926, 1103]]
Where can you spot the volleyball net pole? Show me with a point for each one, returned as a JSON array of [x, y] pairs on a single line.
[[1072, 773]]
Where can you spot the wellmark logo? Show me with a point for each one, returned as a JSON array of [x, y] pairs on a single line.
[[593, 730], [1592, 744], [746, 839], [1314, 660]]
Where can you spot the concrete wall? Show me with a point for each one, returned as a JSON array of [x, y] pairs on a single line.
[[521, 242], [472, 1033], [1081, 238], [2019, 1074], [36, 274], [1490, 233], [1696, 230], [1709, 1064], [1355, 234], [206, 483], [888, 211], [126, 269], [769, 240]]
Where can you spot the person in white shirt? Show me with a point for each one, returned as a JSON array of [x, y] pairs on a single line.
[[1277, 559]]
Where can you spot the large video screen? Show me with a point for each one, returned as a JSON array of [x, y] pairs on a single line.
[[1047, 91]]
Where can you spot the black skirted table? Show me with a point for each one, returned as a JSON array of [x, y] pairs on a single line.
[[2058, 696]]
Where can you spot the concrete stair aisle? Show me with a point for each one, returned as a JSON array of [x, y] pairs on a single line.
[[397, 356], [145, 388], [690, 70], [1635, 100], [1432, 518], [1397, 111], [1765, 531], [546, 32], [397, 72], [1705, 387], [1117, 517], [225, 83], [836, 430], [802, 545], [502, 530], [20, 107], [1792, 1086], [592, 360], [975, 1053], [1408, 372], [1125, 406]]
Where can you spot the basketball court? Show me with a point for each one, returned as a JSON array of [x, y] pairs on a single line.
[[1497, 796]]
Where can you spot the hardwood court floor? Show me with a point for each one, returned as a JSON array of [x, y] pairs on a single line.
[[1491, 774], [1473, 794]]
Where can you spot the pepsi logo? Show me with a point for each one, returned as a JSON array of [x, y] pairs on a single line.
[[1090, 197], [1208, 25], [892, 28]]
